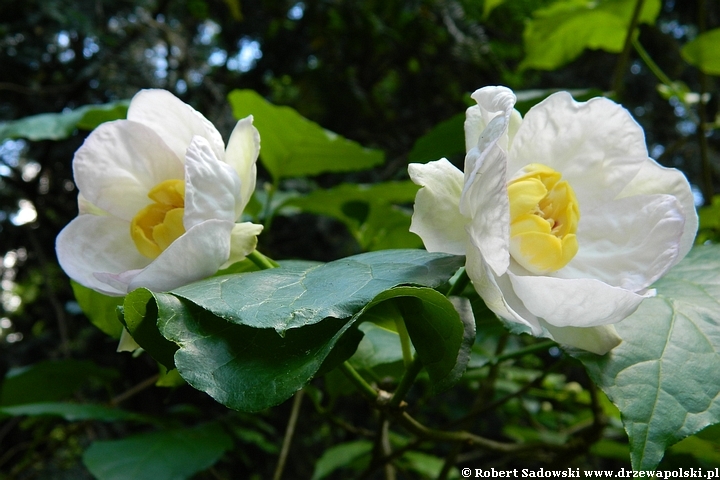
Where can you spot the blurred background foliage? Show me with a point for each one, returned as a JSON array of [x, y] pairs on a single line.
[[391, 75]]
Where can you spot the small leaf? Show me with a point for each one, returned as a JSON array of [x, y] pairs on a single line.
[[49, 381], [166, 455], [57, 126], [704, 52], [141, 311], [293, 146], [100, 309], [343, 455], [665, 375], [559, 33], [445, 140]]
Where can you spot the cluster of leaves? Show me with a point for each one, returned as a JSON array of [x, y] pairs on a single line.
[[329, 330]]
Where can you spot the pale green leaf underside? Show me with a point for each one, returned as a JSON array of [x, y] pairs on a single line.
[[665, 375]]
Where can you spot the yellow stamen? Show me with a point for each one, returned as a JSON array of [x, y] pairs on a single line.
[[159, 224], [544, 217]]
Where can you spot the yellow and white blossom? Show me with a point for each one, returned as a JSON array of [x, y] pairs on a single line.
[[159, 199], [563, 217]]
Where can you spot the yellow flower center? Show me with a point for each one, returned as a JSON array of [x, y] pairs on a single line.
[[544, 217], [159, 224]]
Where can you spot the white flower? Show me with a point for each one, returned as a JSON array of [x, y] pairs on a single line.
[[159, 198], [563, 217]]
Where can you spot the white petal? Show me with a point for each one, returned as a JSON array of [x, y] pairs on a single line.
[[91, 244], [127, 342], [85, 207], [197, 254], [212, 187], [574, 303], [654, 178], [491, 102], [174, 120], [242, 153], [596, 146], [598, 340], [628, 243], [436, 217], [497, 292], [485, 199], [118, 165], [243, 240]]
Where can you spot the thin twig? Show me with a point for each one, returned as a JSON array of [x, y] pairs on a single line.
[[386, 449], [148, 382], [289, 432], [621, 65]]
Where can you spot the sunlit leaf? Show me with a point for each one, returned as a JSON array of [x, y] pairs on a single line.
[[704, 52], [559, 33], [356, 454], [293, 146], [57, 126], [166, 455], [665, 375]]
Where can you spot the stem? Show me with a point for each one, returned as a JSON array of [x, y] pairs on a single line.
[[621, 66], [406, 382], [707, 172], [289, 432], [386, 449], [523, 351], [657, 71], [460, 284], [148, 382], [359, 382], [404, 341], [261, 261]]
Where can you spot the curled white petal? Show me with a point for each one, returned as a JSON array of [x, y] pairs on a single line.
[[118, 165], [212, 187], [598, 340], [91, 244], [241, 154], [174, 121], [596, 146], [195, 255], [437, 219]]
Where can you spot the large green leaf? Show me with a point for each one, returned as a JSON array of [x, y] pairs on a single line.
[[446, 139], [665, 375], [704, 52], [49, 381], [293, 146], [354, 454], [73, 412], [559, 33], [166, 455], [300, 293], [100, 309], [370, 212], [57, 126]]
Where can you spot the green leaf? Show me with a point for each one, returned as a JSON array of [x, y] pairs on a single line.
[[293, 146], [73, 412], [299, 294], [490, 5], [141, 311], [100, 309], [379, 346], [559, 33], [665, 375], [49, 381], [369, 212], [428, 466], [704, 52], [166, 455], [57, 126], [446, 139], [246, 368], [343, 455], [441, 339]]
